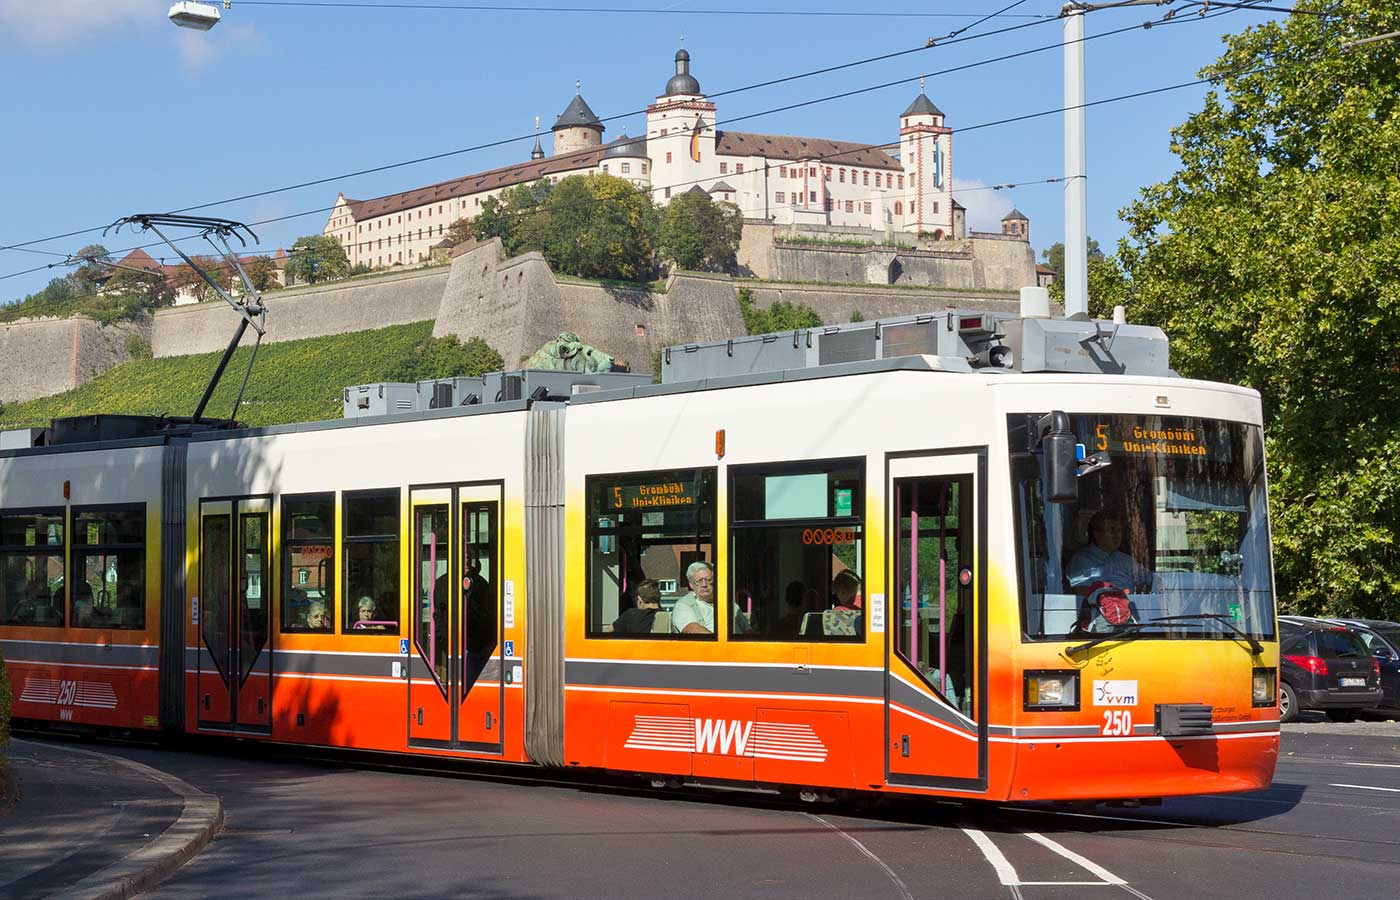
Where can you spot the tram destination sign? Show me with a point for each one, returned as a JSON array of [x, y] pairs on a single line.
[[1137, 439], [661, 494]]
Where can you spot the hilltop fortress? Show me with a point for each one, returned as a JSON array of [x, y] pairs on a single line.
[[777, 179]]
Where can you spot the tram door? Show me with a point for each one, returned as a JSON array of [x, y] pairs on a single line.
[[235, 654], [937, 663], [456, 680]]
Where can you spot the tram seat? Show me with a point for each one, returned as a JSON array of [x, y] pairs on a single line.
[[661, 623]]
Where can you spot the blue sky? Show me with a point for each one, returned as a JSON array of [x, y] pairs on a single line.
[[112, 110]]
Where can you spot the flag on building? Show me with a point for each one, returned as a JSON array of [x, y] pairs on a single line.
[[695, 139]]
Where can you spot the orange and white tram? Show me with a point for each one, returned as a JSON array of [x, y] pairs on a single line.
[[912, 581]]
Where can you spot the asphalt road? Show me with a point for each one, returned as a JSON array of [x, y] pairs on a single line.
[[1329, 827]]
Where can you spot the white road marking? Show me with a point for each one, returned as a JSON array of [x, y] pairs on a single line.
[[1075, 858], [1005, 871], [1009, 878], [898, 882], [1367, 787], [1375, 765]]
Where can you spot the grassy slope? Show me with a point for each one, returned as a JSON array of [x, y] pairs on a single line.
[[295, 381]]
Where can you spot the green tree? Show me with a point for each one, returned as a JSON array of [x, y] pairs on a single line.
[[698, 233], [1270, 257], [96, 260], [148, 289], [316, 258], [262, 272], [185, 278], [445, 357], [460, 231], [1054, 256], [1108, 287], [780, 316], [595, 226], [507, 216]]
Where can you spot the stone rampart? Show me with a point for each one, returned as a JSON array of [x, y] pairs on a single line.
[[518, 304], [39, 357], [338, 308], [838, 304]]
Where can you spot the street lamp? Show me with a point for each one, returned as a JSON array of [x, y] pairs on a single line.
[[199, 16]]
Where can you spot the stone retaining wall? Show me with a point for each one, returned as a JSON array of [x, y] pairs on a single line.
[[338, 308]]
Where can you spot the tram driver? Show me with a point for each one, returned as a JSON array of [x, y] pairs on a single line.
[[1101, 560]]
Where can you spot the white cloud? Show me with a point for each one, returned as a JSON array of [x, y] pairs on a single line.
[[52, 22], [984, 207], [200, 49]]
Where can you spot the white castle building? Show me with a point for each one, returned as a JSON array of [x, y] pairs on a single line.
[[775, 178]]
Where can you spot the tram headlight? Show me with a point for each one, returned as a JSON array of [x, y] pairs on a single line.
[[1052, 689], [1265, 688]]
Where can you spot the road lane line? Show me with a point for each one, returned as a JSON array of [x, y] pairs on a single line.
[[1082, 862], [1375, 765], [1367, 787], [898, 882], [1005, 871]]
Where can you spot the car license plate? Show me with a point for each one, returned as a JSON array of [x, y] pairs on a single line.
[[1353, 682]]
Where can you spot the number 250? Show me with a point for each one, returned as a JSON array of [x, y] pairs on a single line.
[[1118, 722]]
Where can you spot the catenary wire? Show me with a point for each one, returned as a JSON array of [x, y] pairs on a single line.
[[789, 107], [945, 41], [932, 42], [624, 10]]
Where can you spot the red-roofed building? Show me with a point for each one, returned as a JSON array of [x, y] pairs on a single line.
[[905, 185], [140, 259]]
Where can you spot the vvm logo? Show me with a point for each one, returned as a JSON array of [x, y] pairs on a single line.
[[1115, 692], [793, 741]]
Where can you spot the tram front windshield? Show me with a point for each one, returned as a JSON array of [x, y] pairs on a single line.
[[1168, 540]]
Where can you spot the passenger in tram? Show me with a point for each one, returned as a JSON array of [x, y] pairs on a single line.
[[316, 618], [367, 615], [1101, 560], [480, 617], [640, 618], [82, 604], [791, 621], [694, 613], [843, 618]]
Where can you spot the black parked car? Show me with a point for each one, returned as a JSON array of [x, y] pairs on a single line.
[[1383, 640], [1325, 665]]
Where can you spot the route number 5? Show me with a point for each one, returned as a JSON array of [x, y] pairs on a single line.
[[1118, 722], [1101, 437]]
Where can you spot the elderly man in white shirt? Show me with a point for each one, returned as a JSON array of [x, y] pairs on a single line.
[[695, 612]]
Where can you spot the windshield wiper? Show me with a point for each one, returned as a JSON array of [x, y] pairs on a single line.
[[1129, 633], [1255, 647]]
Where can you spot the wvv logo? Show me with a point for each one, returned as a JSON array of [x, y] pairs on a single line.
[[718, 735]]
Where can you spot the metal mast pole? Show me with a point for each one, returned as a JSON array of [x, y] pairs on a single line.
[[1076, 267]]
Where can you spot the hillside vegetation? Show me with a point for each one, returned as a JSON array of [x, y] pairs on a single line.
[[293, 381]]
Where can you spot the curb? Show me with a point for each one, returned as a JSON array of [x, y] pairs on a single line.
[[200, 819]]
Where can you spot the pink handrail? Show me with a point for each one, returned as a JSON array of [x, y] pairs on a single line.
[[914, 625], [432, 586]]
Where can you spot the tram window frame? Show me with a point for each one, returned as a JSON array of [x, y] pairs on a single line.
[[743, 522], [351, 541], [701, 539], [134, 550], [25, 552], [290, 544]]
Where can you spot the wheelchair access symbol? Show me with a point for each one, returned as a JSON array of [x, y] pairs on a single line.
[[403, 646], [510, 649]]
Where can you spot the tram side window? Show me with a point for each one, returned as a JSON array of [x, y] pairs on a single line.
[[308, 570], [31, 568], [109, 567], [371, 546], [797, 536], [644, 530]]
